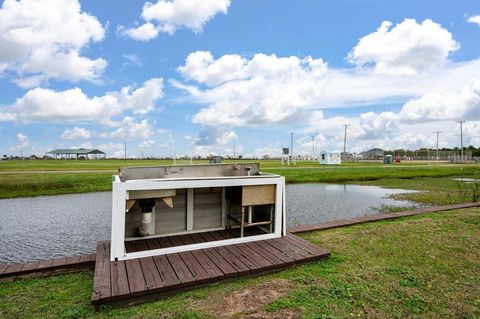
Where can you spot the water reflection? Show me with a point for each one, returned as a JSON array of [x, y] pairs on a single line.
[[53, 226], [314, 203]]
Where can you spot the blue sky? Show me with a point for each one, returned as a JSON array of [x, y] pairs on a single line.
[[201, 77]]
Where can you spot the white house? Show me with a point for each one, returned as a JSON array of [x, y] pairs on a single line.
[[327, 158]]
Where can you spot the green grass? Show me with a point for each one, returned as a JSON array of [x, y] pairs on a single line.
[[432, 191], [425, 266], [33, 178], [23, 185]]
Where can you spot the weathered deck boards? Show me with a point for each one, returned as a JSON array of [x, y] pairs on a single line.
[[138, 280], [187, 239], [41, 268], [376, 217]]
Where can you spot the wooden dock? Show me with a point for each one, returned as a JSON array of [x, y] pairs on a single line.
[[377, 217], [49, 267], [139, 280]]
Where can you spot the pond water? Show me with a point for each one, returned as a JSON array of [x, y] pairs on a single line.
[[53, 226]]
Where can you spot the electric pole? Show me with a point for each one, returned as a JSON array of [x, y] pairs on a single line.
[[345, 142], [313, 147], [461, 139], [438, 133], [125, 151], [291, 146]]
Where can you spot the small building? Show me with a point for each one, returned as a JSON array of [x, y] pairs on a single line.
[[373, 154], [327, 158], [77, 153], [388, 159]]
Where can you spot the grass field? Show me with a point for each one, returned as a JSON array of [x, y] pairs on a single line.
[[425, 266], [33, 178]]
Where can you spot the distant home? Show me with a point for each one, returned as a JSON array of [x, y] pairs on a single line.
[[373, 154], [77, 153]]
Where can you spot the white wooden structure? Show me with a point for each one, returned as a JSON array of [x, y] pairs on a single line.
[[162, 201], [327, 158]]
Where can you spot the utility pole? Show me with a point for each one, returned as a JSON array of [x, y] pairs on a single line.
[[234, 152], [438, 133], [125, 151], [291, 146], [461, 139], [313, 147], [345, 142]]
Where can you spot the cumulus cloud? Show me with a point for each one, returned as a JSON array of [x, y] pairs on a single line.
[[146, 145], [48, 105], [22, 142], [116, 150], [474, 19], [76, 133], [406, 49], [215, 136], [374, 125], [40, 40], [131, 130], [445, 105], [265, 89], [169, 16], [261, 90]]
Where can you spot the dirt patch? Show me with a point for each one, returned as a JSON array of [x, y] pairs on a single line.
[[248, 302]]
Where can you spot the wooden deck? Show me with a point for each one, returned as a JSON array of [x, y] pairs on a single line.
[[41, 268], [187, 239], [377, 217], [139, 280]]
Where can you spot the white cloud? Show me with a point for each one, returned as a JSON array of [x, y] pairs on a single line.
[[76, 133], [373, 125], [169, 16], [22, 142], [406, 49], [47, 105], [261, 90], [445, 105], [215, 136], [145, 32], [474, 19], [133, 58], [87, 144], [146, 145], [116, 150], [131, 130], [40, 40], [266, 89]]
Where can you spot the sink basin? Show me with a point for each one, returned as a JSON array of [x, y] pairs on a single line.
[[189, 171]]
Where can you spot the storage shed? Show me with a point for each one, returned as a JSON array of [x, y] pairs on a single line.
[[327, 158], [168, 201]]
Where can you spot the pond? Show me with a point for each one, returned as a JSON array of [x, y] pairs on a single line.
[[53, 226]]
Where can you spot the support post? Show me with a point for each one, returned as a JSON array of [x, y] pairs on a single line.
[[190, 195]]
